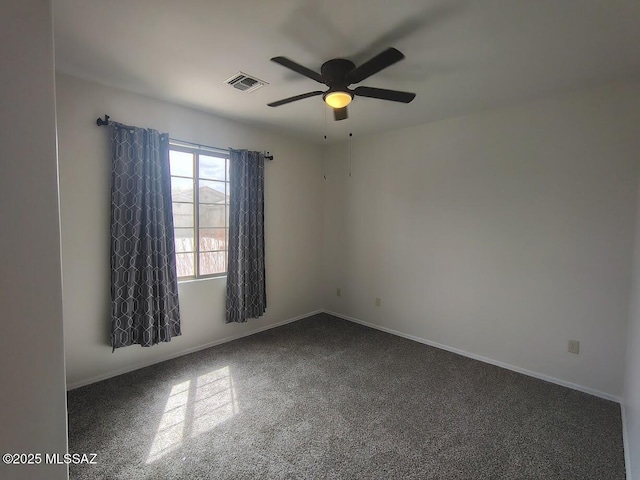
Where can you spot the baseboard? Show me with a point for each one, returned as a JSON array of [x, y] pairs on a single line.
[[137, 366], [497, 363], [625, 442]]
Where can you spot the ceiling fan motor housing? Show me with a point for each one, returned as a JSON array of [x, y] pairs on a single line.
[[335, 72]]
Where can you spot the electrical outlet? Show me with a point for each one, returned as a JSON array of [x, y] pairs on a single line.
[[338, 292], [378, 301], [574, 347]]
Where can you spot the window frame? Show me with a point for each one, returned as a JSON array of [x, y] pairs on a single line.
[[196, 151]]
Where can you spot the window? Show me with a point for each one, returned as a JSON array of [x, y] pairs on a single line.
[[200, 194]]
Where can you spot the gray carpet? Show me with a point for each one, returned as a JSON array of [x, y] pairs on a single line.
[[326, 398]]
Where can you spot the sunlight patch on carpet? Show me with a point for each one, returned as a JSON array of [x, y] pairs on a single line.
[[194, 407]]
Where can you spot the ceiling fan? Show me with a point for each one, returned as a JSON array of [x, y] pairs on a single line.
[[338, 74]]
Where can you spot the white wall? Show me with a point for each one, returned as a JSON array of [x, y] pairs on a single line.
[[503, 234], [33, 411], [293, 205], [631, 400]]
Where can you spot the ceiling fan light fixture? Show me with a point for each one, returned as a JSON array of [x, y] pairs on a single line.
[[338, 99]]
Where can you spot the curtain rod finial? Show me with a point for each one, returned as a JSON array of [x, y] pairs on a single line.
[[100, 122]]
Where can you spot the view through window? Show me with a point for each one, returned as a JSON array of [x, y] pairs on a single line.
[[200, 195]]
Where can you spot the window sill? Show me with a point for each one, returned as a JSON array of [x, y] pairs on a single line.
[[205, 279]]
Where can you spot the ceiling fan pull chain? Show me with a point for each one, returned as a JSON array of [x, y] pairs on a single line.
[[350, 148], [324, 153], [324, 148]]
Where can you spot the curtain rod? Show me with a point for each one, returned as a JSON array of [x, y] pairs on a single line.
[[104, 122]]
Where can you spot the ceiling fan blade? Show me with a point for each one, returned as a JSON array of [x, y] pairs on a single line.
[[340, 114], [383, 94], [377, 63], [296, 98], [290, 64]]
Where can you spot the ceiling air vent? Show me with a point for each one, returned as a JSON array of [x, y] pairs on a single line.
[[244, 82]]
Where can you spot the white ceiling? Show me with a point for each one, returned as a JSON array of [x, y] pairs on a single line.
[[462, 56]]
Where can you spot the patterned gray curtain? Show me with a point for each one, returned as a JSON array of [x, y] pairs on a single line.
[[246, 286], [144, 284]]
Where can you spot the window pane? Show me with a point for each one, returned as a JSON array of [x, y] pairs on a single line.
[[212, 192], [211, 216], [185, 265], [213, 239], [182, 215], [184, 240], [181, 189], [228, 167], [181, 163], [211, 167], [212, 262]]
